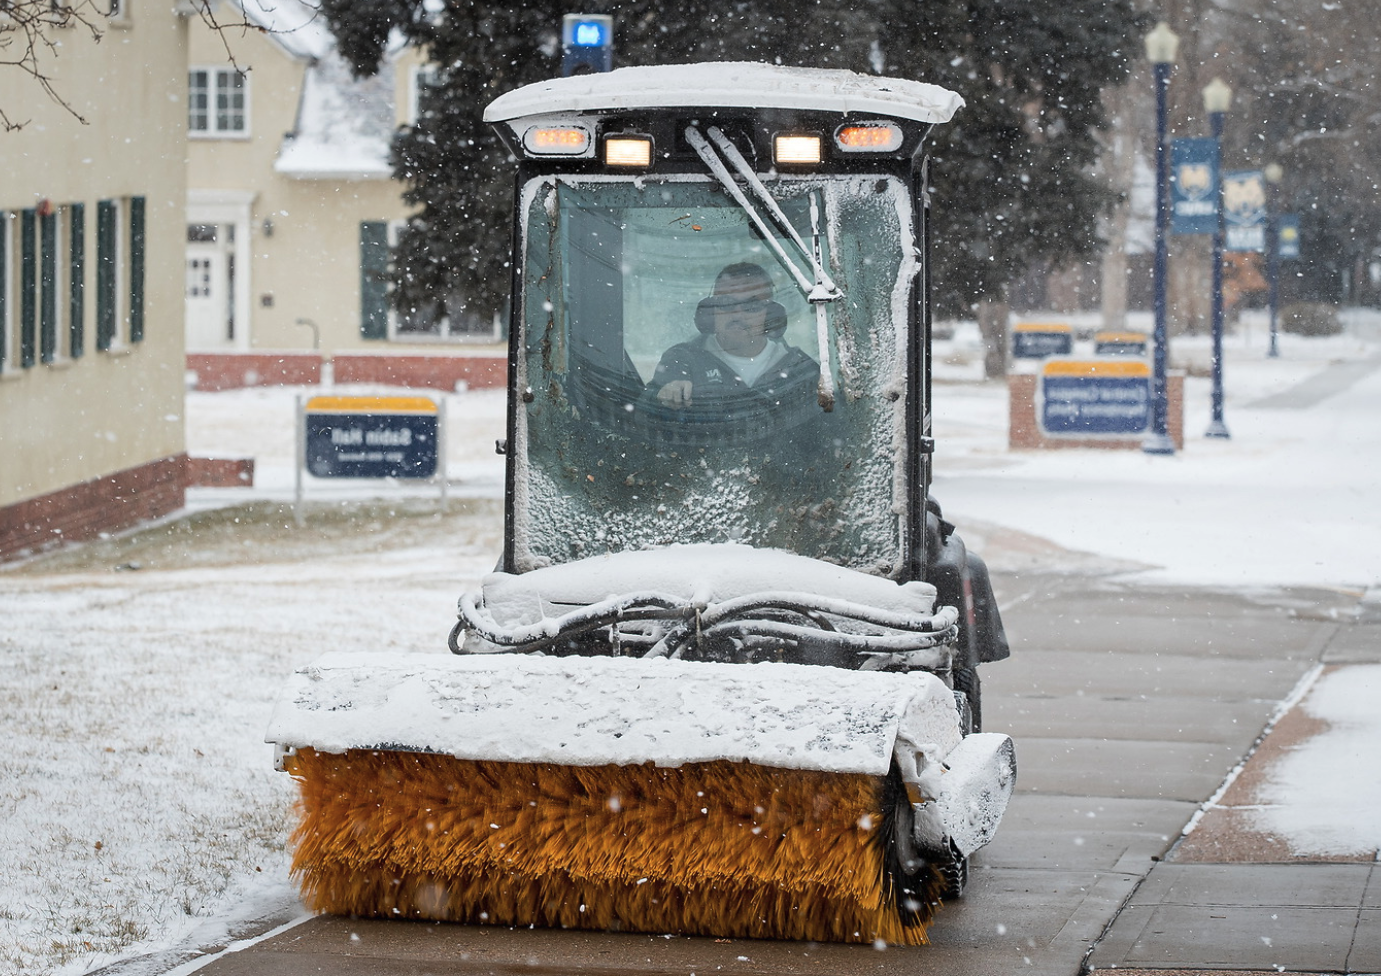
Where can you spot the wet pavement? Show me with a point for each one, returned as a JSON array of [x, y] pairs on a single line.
[[1131, 707]]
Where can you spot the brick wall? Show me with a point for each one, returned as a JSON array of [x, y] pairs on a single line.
[[441, 372], [220, 472], [102, 505], [229, 371], [1024, 433]]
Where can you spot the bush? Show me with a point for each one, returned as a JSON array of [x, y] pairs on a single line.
[[1311, 319]]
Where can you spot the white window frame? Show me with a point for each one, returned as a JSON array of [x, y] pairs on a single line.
[[61, 285], [214, 130], [10, 320]]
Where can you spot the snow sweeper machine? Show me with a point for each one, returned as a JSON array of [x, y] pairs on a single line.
[[724, 679]]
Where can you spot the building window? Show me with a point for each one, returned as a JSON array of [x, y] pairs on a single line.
[[424, 80], [119, 272], [42, 285], [217, 102], [52, 302], [119, 13], [28, 286], [6, 289], [76, 280], [446, 318]]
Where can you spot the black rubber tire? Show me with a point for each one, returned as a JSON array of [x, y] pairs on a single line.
[[955, 874], [911, 881], [966, 681]]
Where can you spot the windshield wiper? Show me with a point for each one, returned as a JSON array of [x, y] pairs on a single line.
[[824, 289], [818, 292]]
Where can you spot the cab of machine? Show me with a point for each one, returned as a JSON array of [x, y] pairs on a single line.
[[662, 215]]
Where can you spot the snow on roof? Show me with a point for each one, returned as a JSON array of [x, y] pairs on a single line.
[[344, 124], [729, 83], [297, 27]]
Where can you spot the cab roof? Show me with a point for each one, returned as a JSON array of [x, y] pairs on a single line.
[[728, 84]]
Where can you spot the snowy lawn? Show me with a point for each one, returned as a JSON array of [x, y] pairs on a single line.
[[139, 802]]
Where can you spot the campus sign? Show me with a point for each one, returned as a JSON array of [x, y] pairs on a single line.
[[1037, 340], [371, 437], [1094, 398]]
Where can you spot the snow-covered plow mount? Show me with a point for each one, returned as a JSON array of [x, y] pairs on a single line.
[[724, 677], [725, 602], [599, 792]]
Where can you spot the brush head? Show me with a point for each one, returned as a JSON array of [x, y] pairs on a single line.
[[719, 848]]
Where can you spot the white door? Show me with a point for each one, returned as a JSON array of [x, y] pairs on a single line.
[[210, 288]]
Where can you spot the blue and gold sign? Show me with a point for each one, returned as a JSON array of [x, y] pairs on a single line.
[[371, 437], [1193, 186], [1287, 237], [1095, 398], [1244, 211]]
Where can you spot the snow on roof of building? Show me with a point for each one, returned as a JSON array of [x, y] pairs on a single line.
[[297, 27], [344, 124], [732, 83]]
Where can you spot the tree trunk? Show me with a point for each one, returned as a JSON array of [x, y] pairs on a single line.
[[992, 326]]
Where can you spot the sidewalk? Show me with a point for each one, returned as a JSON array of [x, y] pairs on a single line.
[[1234, 896]]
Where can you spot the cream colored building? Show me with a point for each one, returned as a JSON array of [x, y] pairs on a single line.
[[91, 285], [290, 207]]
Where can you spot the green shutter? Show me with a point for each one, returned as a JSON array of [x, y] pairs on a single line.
[[106, 306], [28, 286], [374, 279], [136, 269], [76, 278], [48, 287]]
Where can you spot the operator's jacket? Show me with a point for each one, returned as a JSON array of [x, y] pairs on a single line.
[[722, 404]]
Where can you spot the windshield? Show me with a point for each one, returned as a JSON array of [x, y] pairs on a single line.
[[679, 387]]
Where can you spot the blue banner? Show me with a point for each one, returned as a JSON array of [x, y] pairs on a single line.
[[1194, 186], [1287, 237], [1244, 211]]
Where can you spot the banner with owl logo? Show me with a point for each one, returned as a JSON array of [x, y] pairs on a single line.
[[1194, 186], [1244, 211]]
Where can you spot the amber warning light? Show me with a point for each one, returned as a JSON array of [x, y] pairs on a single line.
[[880, 137], [557, 141]]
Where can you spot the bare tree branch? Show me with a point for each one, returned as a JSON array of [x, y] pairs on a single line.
[[26, 44], [26, 40]]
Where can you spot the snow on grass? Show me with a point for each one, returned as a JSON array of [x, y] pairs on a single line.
[[139, 798]]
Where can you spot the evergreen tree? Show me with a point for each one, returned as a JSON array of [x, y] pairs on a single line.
[[1012, 172]]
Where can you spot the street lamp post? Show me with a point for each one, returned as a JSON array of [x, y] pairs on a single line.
[[1161, 47], [1274, 174], [1217, 98]]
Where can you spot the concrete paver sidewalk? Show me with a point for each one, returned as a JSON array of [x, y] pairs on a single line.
[[1234, 896]]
